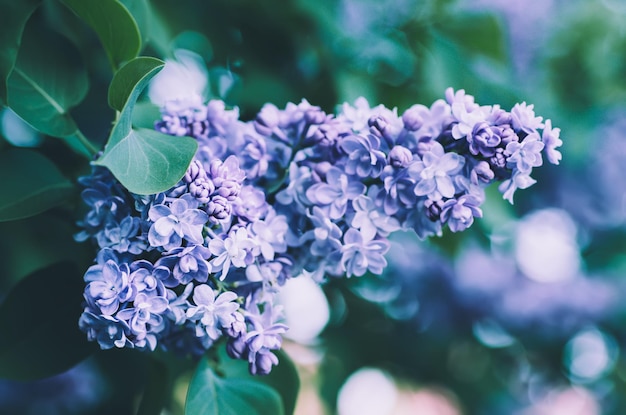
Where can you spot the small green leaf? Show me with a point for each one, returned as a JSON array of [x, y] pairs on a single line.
[[45, 84], [39, 324], [13, 18], [283, 378], [127, 77], [145, 161], [114, 25], [210, 394], [30, 183]]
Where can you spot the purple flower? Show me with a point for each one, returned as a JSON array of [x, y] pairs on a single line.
[[333, 195], [227, 177], [433, 173], [523, 118], [173, 223], [526, 154], [326, 233], [550, 137], [108, 286], [108, 331], [148, 278], [237, 250], [145, 317], [251, 205], [483, 139], [270, 235], [187, 264], [519, 180], [364, 156], [359, 254], [211, 313], [265, 331], [123, 236], [370, 220], [459, 213]]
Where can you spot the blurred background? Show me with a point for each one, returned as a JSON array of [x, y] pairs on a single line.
[[523, 313]]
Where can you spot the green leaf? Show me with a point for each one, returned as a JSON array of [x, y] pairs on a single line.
[[283, 378], [141, 11], [30, 183], [157, 389], [114, 24], [127, 77], [13, 18], [147, 162], [210, 394], [46, 83], [39, 324], [143, 160]]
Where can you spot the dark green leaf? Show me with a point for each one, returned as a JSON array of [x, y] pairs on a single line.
[[114, 25], [30, 184], [145, 161], [13, 18], [45, 84], [157, 389], [142, 13], [210, 394], [127, 77], [39, 324], [283, 378]]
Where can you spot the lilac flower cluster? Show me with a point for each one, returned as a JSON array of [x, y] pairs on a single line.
[[296, 191]]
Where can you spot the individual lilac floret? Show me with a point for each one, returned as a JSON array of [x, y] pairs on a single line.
[[145, 319], [459, 213], [364, 156], [147, 278], [359, 254], [523, 118], [108, 286], [550, 138], [186, 264], [433, 174], [123, 236], [172, 223], [264, 337], [370, 220], [237, 249], [333, 195], [525, 155], [211, 313], [108, 331]]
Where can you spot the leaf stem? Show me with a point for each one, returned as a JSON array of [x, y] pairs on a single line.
[[86, 143]]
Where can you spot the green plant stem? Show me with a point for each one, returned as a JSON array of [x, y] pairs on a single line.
[[86, 143]]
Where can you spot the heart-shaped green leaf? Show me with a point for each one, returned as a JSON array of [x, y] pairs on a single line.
[[114, 24], [30, 184], [13, 18], [210, 394], [39, 324], [127, 77], [46, 83], [145, 161]]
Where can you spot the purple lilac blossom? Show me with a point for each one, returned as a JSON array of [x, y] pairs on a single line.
[[296, 191]]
